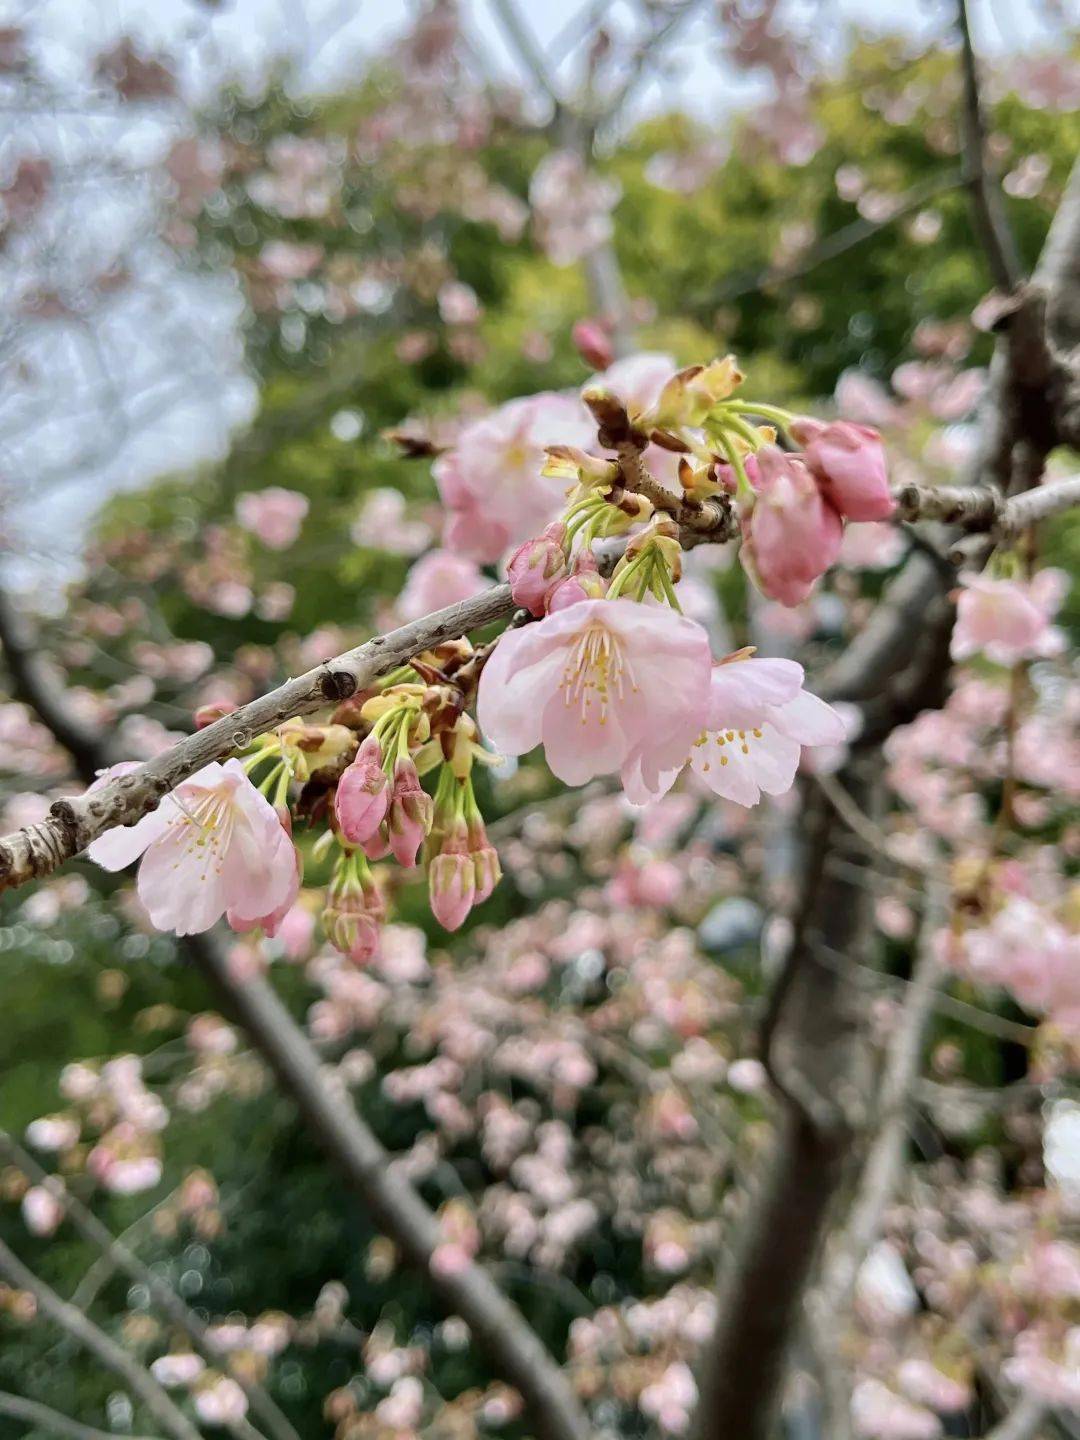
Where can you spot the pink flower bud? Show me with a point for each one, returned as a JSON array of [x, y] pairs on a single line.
[[584, 583], [410, 814], [486, 868], [848, 461], [593, 343], [363, 794], [792, 534], [216, 710], [536, 567], [452, 886]]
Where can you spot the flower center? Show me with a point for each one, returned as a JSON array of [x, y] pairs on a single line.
[[596, 670], [209, 826], [729, 745]]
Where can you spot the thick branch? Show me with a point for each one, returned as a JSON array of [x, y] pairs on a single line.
[[73, 823], [979, 508], [100, 1345], [161, 1292], [45, 1418], [395, 1207]]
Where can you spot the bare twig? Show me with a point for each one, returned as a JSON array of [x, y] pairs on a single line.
[[160, 1291], [45, 1418], [884, 1163], [82, 1329], [997, 240]]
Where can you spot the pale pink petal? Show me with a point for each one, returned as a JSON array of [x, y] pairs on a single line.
[[809, 720]]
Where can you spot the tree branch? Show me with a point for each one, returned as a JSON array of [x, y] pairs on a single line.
[[73, 823], [161, 1292], [498, 1325], [395, 1206], [43, 1417], [997, 240], [82, 1329], [980, 508]]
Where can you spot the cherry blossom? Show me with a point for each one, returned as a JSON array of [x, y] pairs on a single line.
[[848, 460], [213, 845], [602, 684], [1009, 620], [437, 579], [491, 481], [792, 533], [273, 515]]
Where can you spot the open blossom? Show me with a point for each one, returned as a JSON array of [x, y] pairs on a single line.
[[437, 579], [601, 684], [848, 461], [273, 515], [42, 1212], [757, 720], [491, 482], [213, 845], [1009, 620], [792, 534]]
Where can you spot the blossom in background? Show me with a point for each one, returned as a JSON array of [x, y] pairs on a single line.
[[213, 845], [602, 684], [273, 515], [1009, 620], [491, 480], [437, 579], [571, 206]]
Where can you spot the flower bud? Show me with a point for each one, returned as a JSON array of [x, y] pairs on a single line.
[[584, 583], [216, 710], [848, 461], [535, 567], [592, 340], [363, 794], [452, 887], [692, 394], [792, 534], [410, 815], [354, 910]]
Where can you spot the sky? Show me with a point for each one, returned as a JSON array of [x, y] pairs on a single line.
[[154, 379]]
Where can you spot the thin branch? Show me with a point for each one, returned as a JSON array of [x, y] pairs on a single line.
[[997, 239], [528, 51], [884, 1164], [1022, 1422], [700, 520], [44, 1417], [830, 247], [861, 825], [76, 821], [161, 1292], [395, 1206], [82, 1329]]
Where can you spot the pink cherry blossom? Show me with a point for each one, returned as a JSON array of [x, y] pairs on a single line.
[[180, 1367], [491, 482], [439, 578], [601, 684], [757, 721], [213, 845], [1009, 620], [848, 462], [221, 1402], [878, 1413], [273, 515], [792, 534]]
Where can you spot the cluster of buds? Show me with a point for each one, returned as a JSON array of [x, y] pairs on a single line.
[[354, 908], [463, 865]]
